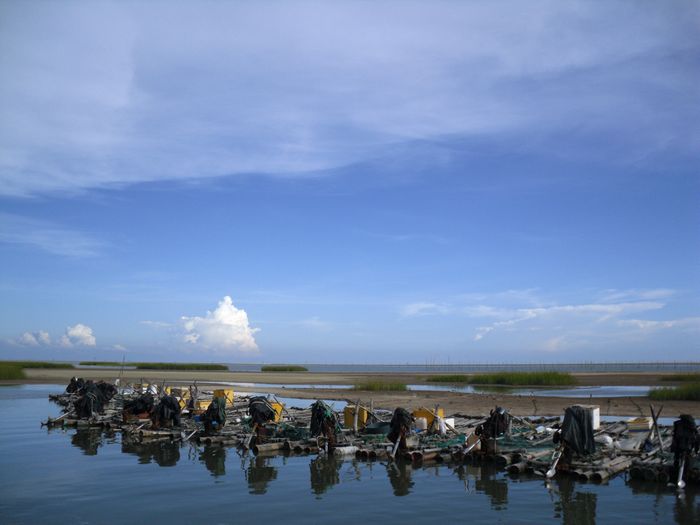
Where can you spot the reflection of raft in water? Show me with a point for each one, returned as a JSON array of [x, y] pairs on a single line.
[[586, 449]]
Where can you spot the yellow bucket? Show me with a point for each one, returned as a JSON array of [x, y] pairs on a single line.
[[226, 393], [428, 414], [349, 416]]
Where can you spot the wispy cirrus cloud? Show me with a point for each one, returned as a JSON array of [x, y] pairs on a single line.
[[47, 236], [555, 326], [424, 308], [89, 89]]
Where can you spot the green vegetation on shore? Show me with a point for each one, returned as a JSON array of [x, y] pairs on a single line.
[[449, 378], [38, 364], [524, 379], [682, 378], [688, 392], [283, 368], [380, 386], [11, 371], [179, 366], [160, 366]]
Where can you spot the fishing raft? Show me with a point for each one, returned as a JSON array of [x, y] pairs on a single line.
[[580, 446]]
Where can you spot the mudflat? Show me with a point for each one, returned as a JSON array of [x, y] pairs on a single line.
[[452, 402]]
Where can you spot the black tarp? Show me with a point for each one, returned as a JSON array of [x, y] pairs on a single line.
[[577, 430], [685, 435], [260, 410], [168, 410], [400, 424], [323, 419]]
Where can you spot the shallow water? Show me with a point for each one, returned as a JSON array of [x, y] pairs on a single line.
[[476, 368], [92, 477], [582, 391]]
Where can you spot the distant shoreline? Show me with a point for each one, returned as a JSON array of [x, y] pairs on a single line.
[[453, 402]]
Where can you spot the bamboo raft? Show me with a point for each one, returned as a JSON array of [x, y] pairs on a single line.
[[526, 450]]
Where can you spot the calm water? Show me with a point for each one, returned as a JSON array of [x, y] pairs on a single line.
[[91, 477]]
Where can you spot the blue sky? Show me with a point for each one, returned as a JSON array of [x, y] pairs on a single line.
[[350, 182]]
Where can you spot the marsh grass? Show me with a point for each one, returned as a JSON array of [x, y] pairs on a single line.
[[380, 386], [687, 392], [524, 379], [283, 368], [11, 371], [682, 378], [38, 364], [179, 366], [449, 378]]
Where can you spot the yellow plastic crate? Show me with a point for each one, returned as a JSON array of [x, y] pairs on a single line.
[[277, 407], [226, 393], [349, 416], [428, 414]]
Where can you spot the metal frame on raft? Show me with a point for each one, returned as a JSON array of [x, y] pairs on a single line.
[[523, 447]]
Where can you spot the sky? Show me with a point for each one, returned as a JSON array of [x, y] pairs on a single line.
[[350, 182]]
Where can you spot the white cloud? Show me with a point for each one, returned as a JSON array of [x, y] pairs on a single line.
[[156, 324], [637, 294], [691, 323], [226, 328], [423, 308], [46, 236], [89, 89], [119, 347], [78, 335], [315, 323], [580, 313], [40, 338]]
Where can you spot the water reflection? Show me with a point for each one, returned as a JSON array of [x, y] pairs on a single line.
[[325, 473], [571, 501], [483, 478], [162, 453], [214, 459], [686, 508], [574, 507], [400, 474], [87, 440], [260, 473]]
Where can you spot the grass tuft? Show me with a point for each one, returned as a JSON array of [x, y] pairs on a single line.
[[380, 386], [11, 371], [283, 368], [682, 378], [524, 379], [688, 392], [449, 378]]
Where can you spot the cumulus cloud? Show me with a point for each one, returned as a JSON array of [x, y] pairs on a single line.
[[89, 89], [40, 338], [78, 335], [225, 328]]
